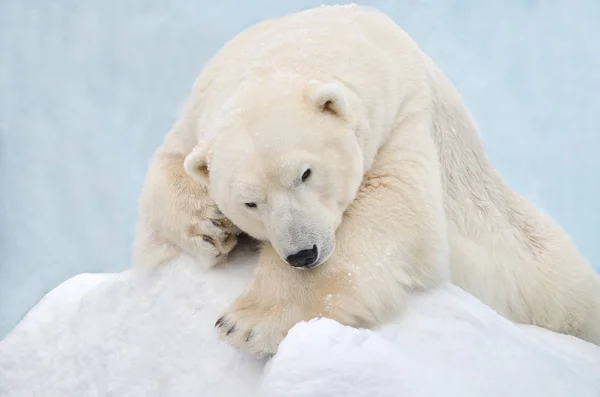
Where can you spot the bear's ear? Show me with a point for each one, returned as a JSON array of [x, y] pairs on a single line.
[[195, 163], [328, 97]]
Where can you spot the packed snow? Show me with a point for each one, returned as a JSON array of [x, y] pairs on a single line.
[[125, 335]]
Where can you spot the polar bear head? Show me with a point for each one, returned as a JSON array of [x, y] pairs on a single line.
[[284, 165]]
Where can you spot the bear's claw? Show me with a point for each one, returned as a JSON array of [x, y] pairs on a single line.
[[252, 330], [211, 236]]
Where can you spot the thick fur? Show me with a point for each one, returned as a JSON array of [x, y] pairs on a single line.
[[425, 203], [176, 216]]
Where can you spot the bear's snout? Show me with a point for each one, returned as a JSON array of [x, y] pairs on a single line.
[[305, 258]]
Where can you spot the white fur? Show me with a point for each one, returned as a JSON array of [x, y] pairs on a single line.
[[429, 207]]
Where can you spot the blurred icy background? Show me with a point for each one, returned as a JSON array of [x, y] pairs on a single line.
[[89, 88]]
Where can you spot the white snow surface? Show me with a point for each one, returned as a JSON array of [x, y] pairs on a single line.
[[124, 335]]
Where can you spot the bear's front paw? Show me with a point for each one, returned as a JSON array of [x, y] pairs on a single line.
[[257, 329], [212, 237]]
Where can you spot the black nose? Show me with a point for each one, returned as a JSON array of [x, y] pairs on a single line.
[[303, 258]]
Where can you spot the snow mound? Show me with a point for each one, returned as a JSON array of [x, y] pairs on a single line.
[[120, 335]]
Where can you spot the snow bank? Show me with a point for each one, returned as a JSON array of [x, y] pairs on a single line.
[[119, 335]]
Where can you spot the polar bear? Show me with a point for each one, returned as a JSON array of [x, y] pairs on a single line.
[[329, 135]]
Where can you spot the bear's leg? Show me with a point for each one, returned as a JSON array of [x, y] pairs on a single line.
[[177, 215], [392, 240]]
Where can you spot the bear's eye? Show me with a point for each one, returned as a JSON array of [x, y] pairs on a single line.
[[250, 205], [306, 175]]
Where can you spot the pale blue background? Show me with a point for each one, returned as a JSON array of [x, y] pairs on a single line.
[[88, 88]]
